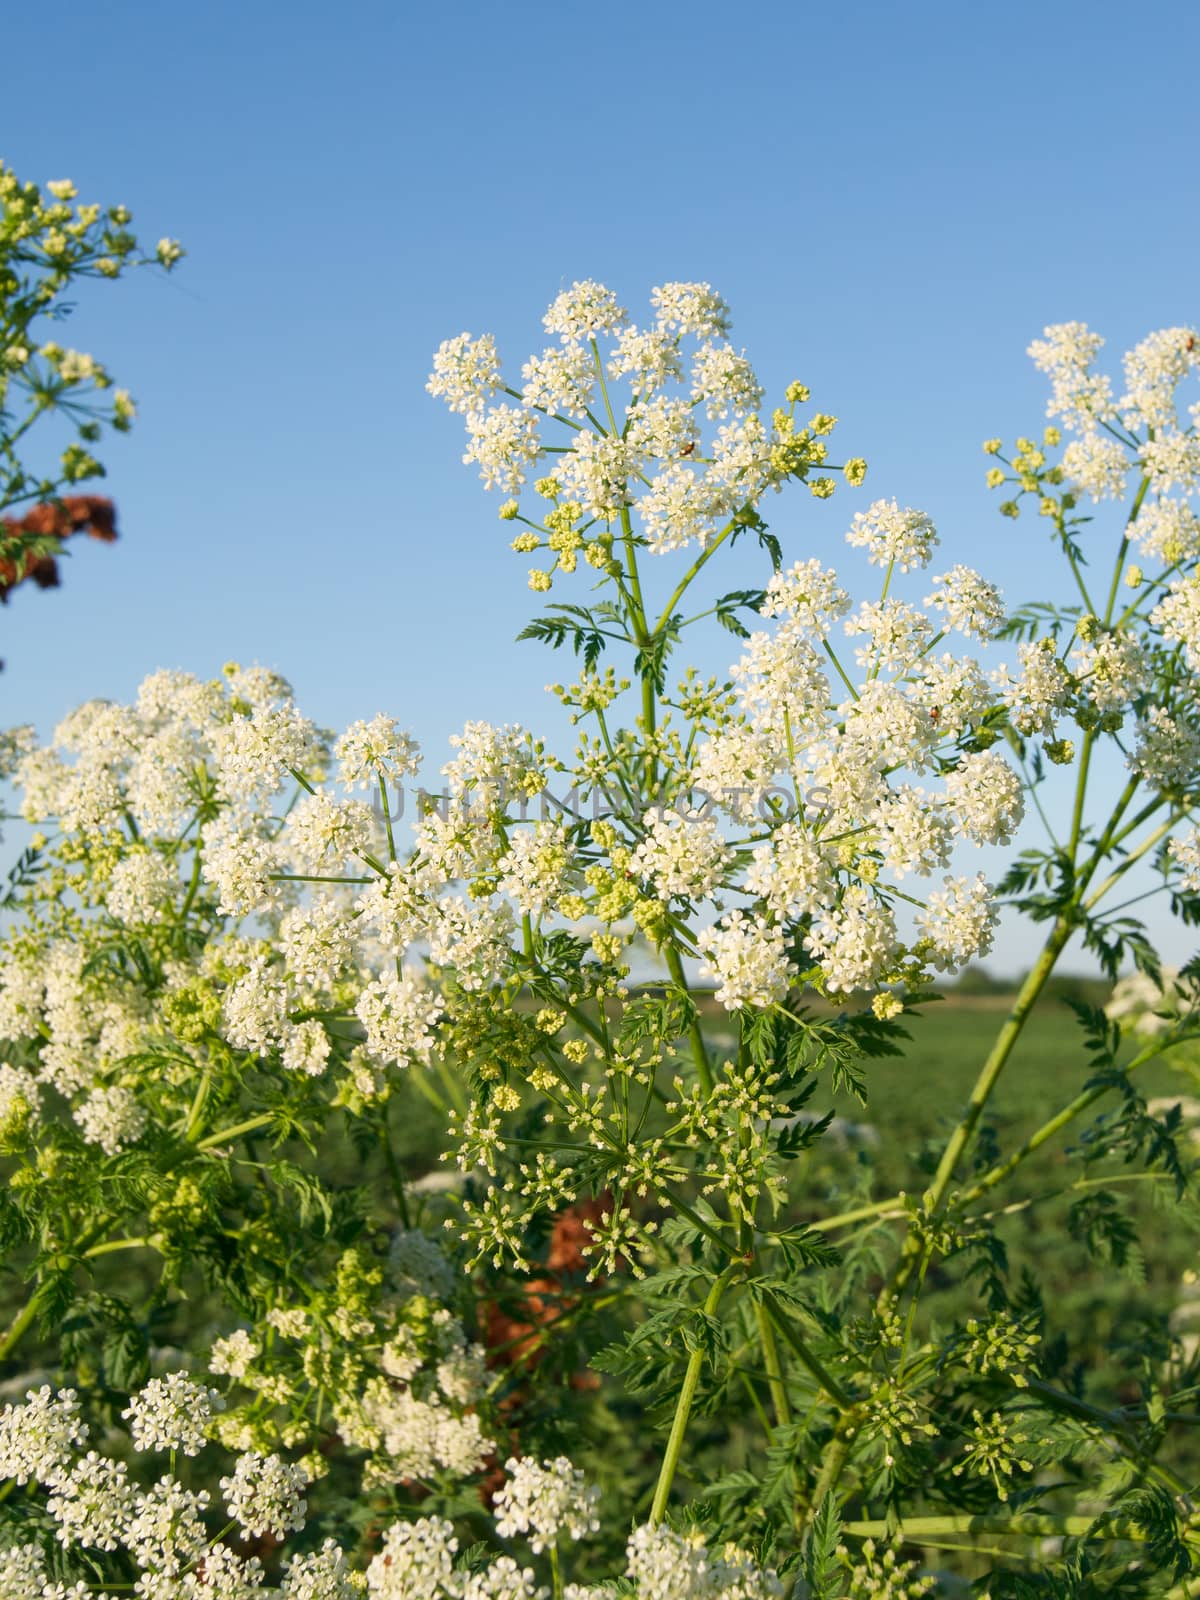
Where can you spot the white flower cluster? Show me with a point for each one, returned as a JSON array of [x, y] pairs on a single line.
[[161, 1528], [545, 1502], [828, 779], [172, 1413], [680, 487]]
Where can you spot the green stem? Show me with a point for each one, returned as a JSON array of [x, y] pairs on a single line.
[[803, 1353], [18, 1327], [239, 1128], [1119, 565], [695, 1034], [1021, 1523], [683, 1406], [997, 1057], [774, 1368]]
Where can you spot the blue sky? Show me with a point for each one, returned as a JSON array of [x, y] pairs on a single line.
[[894, 199]]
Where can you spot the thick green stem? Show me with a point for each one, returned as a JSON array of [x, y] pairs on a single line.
[[683, 1406], [251, 1125], [772, 1365], [1029, 1524], [1006, 1039], [17, 1328], [695, 1034], [803, 1353]]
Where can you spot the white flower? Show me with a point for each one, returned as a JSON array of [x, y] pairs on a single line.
[[1167, 754], [466, 372], [379, 749], [166, 1530], [1098, 465], [239, 862], [648, 358], [254, 753], [793, 872], [111, 1118], [1078, 395], [809, 594], [92, 1503], [986, 797], [1177, 616], [725, 381], [419, 1266], [234, 1355], [684, 856], [958, 921], [1043, 688], [665, 1565], [677, 510], [36, 1439], [1172, 461], [504, 441], [266, 1495], [172, 1413], [141, 887], [855, 941], [584, 310], [663, 429], [399, 1015], [15, 745], [746, 956], [596, 470], [321, 833], [503, 1580], [735, 767], [694, 308], [560, 380], [305, 1048], [472, 938], [544, 1501], [915, 837], [1184, 851], [1153, 370], [970, 603], [500, 763], [1112, 669], [535, 869], [255, 1009], [889, 535], [415, 1561], [23, 1572], [1168, 530], [323, 1575], [781, 677], [316, 941], [898, 633]]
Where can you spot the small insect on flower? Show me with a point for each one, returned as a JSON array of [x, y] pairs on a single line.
[[935, 714], [688, 448]]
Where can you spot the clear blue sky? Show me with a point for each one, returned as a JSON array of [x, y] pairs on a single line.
[[894, 199]]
